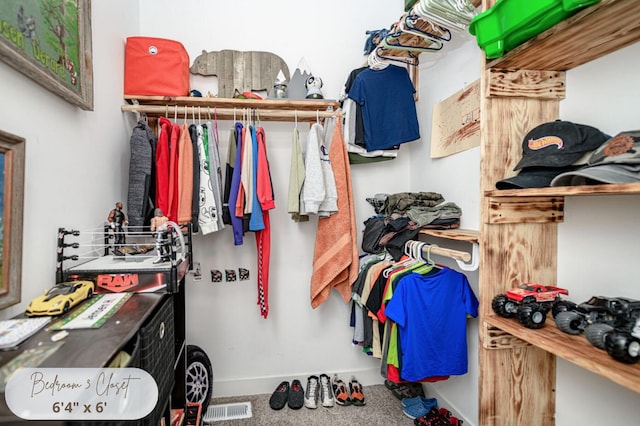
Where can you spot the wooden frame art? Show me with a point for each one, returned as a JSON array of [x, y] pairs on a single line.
[[12, 160], [49, 41]]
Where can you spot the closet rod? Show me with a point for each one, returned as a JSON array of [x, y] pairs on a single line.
[[455, 254], [228, 113]]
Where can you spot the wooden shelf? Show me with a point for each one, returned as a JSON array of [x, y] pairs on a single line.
[[563, 191], [575, 349], [590, 34], [520, 227], [230, 108]]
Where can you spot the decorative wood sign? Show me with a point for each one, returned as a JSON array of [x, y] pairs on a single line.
[[456, 122], [245, 71], [50, 42]]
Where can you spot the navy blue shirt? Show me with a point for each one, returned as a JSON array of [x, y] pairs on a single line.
[[388, 107]]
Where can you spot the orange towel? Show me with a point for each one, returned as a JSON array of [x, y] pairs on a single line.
[[335, 257]]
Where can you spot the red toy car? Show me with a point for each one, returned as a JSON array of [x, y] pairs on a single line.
[[530, 303], [535, 292]]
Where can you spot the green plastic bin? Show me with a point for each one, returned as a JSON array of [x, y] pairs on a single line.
[[511, 22]]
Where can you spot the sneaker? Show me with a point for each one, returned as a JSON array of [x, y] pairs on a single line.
[[355, 389], [326, 391], [279, 397], [311, 394], [427, 402], [340, 391], [296, 395]]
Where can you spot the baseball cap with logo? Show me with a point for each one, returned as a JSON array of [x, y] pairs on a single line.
[[616, 161], [558, 144]]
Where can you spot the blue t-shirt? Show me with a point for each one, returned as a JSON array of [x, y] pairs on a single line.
[[431, 314], [388, 108]]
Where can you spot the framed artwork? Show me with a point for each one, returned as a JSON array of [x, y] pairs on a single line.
[[50, 42], [12, 153]]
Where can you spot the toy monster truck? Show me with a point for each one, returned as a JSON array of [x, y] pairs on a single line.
[[623, 343], [596, 317], [529, 302]]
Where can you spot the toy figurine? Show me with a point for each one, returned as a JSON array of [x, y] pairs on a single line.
[[313, 85], [160, 227], [117, 220]]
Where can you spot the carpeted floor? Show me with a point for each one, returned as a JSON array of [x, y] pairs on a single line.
[[382, 408]]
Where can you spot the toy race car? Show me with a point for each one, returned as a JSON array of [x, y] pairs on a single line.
[[529, 302], [60, 298]]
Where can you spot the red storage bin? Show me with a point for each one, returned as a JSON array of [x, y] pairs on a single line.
[[155, 66]]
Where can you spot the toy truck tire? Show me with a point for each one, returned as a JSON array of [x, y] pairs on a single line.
[[561, 305], [623, 347], [570, 322], [532, 315], [595, 334], [504, 307]]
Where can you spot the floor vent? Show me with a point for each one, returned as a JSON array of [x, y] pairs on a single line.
[[236, 410]]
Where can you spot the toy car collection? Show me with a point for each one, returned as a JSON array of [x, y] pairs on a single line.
[[60, 298], [598, 316], [530, 302]]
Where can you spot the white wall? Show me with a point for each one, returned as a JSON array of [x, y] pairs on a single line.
[[76, 161], [251, 354]]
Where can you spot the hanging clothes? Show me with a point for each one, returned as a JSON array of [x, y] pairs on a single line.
[[255, 219], [431, 315], [388, 108], [162, 165], [313, 190], [329, 204], [296, 179], [215, 170], [265, 198], [207, 215], [185, 175], [139, 199], [174, 153], [335, 258], [195, 133], [236, 222], [228, 174]]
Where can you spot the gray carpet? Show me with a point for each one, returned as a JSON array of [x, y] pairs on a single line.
[[382, 408]]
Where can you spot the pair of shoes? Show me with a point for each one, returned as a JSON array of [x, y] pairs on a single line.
[[407, 390], [427, 402], [340, 391], [292, 395], [318, 387], [355, 389]]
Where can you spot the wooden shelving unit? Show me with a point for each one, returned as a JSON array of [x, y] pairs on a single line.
[[518, 231]]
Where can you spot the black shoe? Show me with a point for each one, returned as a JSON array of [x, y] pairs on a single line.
[[296, 395], [280, 396]]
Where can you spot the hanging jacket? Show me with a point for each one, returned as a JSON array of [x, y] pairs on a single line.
[[139, 203], [162, 166]]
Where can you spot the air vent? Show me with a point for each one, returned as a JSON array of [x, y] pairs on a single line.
[[237, 410]]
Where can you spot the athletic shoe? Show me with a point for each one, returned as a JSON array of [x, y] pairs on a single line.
[[430, 402], [296, 395], [326, 391], [340, 391], [279, 396], [311, 394], [355, 389]]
